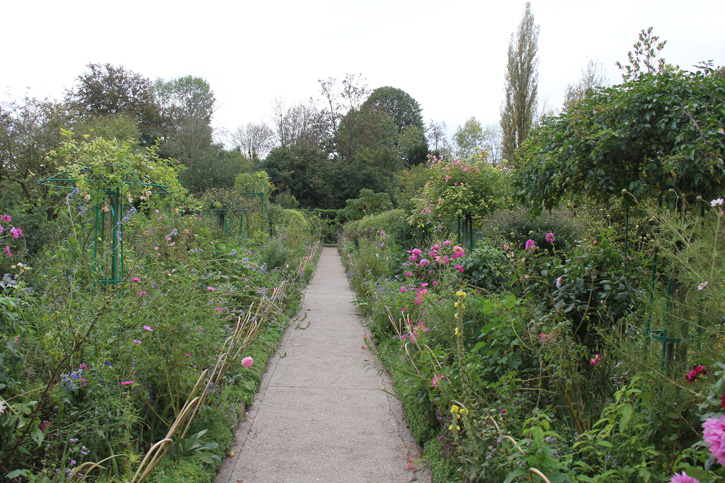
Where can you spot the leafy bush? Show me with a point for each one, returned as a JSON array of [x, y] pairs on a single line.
[[486, 268]]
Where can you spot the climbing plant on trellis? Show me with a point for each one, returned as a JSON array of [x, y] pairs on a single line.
[[236, 213], [111, 175]]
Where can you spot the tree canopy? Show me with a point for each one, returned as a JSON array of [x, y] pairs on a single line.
[[655, 132], [397, 104]]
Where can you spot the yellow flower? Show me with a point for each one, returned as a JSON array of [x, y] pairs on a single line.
[[456, 304], [458, 333], [450, 428], [461, 294], [454, 409], [458, 428]]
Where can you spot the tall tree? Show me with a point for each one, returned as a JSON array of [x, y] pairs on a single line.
[[29, 130], [107, 90], [592, 76], [522, 81], [397, 104], [469, 139], [184, 98], [254, 140], [298, 124], [492, 142], [349, 96], [435, 132]]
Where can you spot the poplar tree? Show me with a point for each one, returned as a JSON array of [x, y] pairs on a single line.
[[517, 115]]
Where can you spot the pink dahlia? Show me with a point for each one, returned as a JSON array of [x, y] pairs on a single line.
[[683, 478], [247, 361], [714, 435]]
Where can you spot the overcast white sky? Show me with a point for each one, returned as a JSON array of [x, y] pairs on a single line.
[[449, 55]]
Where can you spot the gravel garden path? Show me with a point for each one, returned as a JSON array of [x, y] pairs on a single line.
[[322, 413]]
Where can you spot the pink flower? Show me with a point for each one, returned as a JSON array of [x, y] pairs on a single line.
[[146, 327], [136, 341], [460, 268], [5, 218], [7, 249], [408, 274], [435, 379], [695, 374], [210, 288], [714, 435], [550, 237], [219, 309], [713, 203], [135, 279], [403, 290], [702, 285], [530, 246], [683, 478], [186, 230], [247, 361], [559, 282], [16, 232], [446, 243], [424, 262], [142, 293], [188, 355], [595, 360], [126, 383], [544, 338]]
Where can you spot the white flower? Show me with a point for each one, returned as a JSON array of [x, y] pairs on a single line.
[[717, 202], [702, 285]]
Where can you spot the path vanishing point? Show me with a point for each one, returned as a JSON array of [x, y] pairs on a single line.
[[322, 413]]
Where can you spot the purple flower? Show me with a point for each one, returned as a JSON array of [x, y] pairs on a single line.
[[530, 246]]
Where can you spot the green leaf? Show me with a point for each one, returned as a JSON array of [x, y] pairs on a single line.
[[38, 436]]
